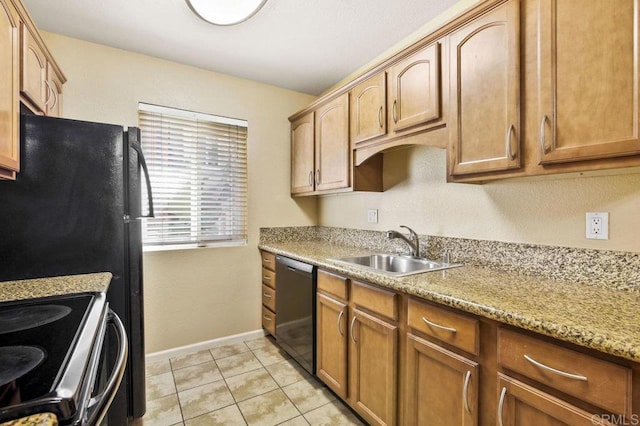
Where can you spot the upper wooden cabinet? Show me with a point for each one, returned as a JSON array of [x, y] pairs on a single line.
[[9, 87], [588, 94], [485, 101], [40, 82], [399, 102], [321, 153], [414, 89], [368, 109], [332, 144], [28, 75], [320, 148], [34, 71], [302, 155]]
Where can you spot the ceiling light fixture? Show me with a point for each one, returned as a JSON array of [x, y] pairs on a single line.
[[225, 12]]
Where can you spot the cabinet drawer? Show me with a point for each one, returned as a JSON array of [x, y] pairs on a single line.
[[332, 284], [269, 297], [268, 278], [455, 329], [269, 321], [377, 300], [268, 260], [601, 383]]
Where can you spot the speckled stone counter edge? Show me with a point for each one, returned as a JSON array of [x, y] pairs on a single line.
[[611, 269], [54, 286], [43, 419]]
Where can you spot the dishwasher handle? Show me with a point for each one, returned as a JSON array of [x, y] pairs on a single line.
[[294, 265]]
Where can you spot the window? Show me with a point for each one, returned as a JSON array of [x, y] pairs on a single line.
[[198, 171]]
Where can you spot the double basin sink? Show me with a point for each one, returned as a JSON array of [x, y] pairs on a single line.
[[396, 265]]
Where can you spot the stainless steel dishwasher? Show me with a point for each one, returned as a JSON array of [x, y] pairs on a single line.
[[295, 310]]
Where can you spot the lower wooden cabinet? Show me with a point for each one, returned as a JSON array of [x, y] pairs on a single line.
[[373, 370], [268, 292], [441, 386], [356, 351], [521, 405], [400, 360], [331, 344]]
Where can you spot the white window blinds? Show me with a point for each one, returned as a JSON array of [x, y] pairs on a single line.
[[198, 171]]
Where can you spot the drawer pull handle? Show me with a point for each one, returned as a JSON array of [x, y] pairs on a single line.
[[441, 327], [501, 406], [266, 317], [264, 277], [340, 322], [380, 116], [553, 370], [353, 321], [267, 295], [465, 392], [267, 261]]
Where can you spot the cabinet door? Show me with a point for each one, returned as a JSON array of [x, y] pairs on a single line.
[[373, 368], [414, 89], [9, 104], [332, 144], [441, 387], [302, 155], [34, 72], [485, 85], [331, 344], [368, 112], [523, 405], [588, 79], [54, 86]]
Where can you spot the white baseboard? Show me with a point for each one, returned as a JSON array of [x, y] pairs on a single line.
[[201, 346]]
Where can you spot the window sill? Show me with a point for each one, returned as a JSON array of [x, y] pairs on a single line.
[[176, 247]]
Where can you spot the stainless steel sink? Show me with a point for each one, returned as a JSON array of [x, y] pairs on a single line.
[[396, 265]]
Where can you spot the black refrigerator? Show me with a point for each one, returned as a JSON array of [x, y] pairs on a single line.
[[75, 207]]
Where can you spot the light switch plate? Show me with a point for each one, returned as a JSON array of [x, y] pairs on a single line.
[[372, 216], [598, 226]]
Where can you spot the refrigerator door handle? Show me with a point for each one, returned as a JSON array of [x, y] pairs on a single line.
[[136, 146]]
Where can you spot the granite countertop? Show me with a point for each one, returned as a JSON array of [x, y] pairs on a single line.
[[43, 419], [595, 317], [54, 286]]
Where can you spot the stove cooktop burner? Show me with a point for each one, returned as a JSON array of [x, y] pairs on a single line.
[[24, 318], [17, 361]]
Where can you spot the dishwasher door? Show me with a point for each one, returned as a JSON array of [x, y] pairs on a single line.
[[296, 309]]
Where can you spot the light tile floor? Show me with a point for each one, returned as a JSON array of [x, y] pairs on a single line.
[[248, 383]]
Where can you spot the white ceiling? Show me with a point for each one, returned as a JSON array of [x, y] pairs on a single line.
[[303, 45]]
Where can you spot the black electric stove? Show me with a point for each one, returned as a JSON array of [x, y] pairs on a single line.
[[51, 356]]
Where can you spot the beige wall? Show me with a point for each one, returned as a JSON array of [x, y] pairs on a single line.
[[194, 295], [549, 210]]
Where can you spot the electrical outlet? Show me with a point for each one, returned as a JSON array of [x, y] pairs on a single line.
[[372, 216], [598, 226]]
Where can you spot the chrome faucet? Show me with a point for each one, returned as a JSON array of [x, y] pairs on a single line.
[[413, 240]]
